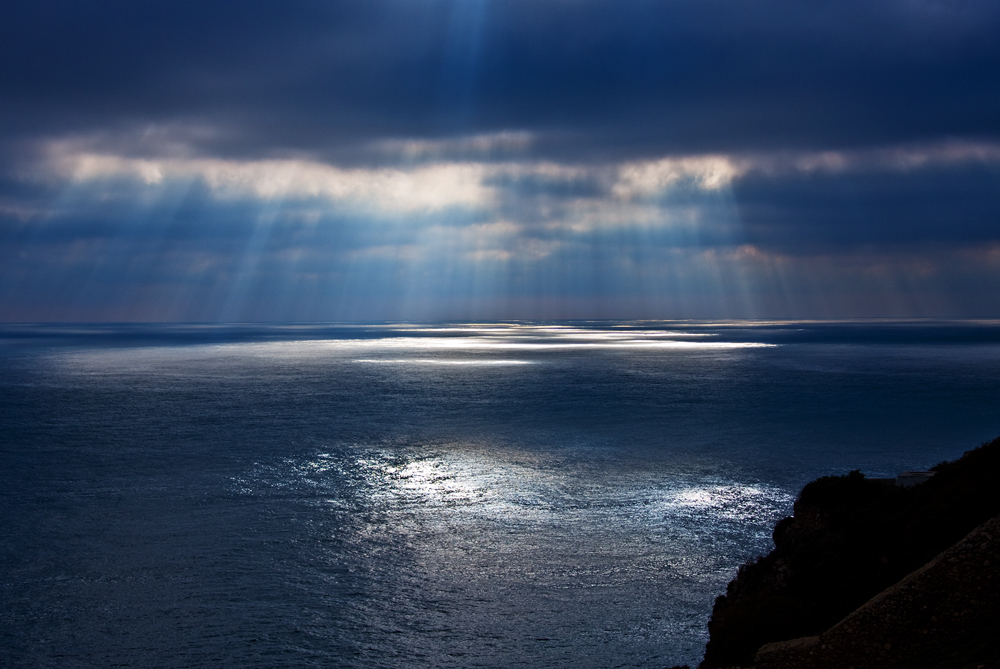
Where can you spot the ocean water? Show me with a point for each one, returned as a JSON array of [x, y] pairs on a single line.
[[475, 495]]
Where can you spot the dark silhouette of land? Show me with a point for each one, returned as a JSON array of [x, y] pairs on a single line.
[[870, 574]]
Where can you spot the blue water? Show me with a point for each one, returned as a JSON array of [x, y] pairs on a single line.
[[572, 494]]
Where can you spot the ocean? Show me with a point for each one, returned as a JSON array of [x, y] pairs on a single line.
[[571, 494]]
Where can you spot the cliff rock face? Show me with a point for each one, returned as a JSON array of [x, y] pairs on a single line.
[[945, 614], [850, 538]]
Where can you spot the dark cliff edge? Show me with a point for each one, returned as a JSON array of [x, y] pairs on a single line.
[[867, 573]]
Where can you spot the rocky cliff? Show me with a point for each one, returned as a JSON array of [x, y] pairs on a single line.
[[852, 539]]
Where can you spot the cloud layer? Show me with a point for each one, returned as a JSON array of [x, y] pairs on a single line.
[[475, 159]]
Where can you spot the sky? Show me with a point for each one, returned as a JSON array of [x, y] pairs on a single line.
[[370, 160]]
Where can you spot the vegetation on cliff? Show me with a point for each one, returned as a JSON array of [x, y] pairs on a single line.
[[849, 539]]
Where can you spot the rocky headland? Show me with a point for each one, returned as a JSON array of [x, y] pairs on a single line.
[[867, 573]]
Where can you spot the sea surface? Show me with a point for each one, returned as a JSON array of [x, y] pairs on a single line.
[[448, 495]]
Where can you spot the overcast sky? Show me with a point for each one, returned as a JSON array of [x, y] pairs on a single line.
[[495, 159]]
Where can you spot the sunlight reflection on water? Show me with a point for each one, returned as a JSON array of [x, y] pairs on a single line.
[[519, 544], [432, 361], [418, 345]]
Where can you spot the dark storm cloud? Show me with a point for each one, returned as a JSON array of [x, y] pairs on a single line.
[[942, 206], [605, 78]]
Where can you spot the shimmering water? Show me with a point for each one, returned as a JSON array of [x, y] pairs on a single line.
[[441, 496]]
